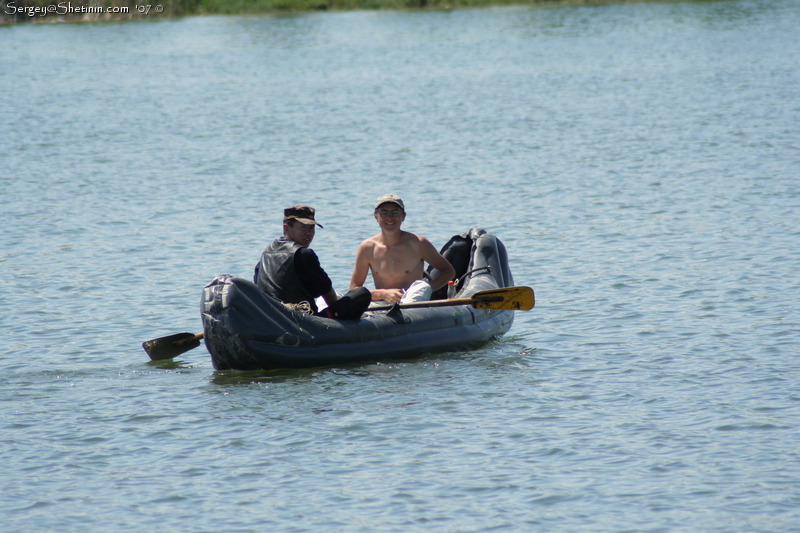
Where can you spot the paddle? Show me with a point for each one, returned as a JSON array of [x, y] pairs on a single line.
[[513, 298], [172, 346]]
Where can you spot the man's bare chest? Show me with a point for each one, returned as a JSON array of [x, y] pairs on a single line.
[[397, 259]]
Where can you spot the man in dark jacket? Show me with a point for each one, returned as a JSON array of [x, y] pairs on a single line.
[[289, 270]]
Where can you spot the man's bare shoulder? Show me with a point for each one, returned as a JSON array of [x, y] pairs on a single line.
[[369, 244], [371, 241], [415, 239]]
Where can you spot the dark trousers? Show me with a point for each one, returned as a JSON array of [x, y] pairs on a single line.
[[350, 306]]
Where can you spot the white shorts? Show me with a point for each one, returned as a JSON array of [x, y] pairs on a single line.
[[419, 291]]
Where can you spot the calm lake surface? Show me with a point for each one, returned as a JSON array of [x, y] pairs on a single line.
[[641, 163]]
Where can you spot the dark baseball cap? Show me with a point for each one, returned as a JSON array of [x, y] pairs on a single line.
[[301, 213]]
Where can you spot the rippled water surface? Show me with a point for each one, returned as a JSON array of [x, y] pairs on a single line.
[[640, 162]]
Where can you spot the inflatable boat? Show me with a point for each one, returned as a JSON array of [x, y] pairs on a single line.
[[244, 329]]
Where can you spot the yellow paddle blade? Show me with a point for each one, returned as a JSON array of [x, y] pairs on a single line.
[[515, 298]]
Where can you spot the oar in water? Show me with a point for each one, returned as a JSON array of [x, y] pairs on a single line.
[[172, 346], [513, 298]]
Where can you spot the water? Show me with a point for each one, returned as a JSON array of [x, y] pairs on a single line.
[[639, 161]]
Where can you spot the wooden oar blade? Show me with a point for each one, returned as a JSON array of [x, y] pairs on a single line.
[[171, 346], [514, 298]]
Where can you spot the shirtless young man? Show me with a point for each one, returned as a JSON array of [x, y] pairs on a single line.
[[397, 258]]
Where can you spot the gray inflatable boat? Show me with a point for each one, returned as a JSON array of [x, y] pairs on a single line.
[[244, 329]]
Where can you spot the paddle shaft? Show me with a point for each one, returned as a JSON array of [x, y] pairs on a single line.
[[429, 303], [508, 298], [197, 337]]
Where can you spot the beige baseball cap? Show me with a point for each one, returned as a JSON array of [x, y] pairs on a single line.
[[390, 198]]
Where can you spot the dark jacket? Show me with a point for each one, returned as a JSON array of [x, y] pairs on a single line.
[[290, 273]]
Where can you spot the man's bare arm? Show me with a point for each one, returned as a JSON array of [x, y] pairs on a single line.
[[361, 268], [437, 261]]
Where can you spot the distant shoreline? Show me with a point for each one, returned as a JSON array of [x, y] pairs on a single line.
[[72, 11]]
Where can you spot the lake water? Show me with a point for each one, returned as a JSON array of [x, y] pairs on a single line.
[[640, 162]]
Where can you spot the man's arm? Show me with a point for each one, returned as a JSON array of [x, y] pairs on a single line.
[[330, 297], [312, 276], [361, 267], [437, 261]]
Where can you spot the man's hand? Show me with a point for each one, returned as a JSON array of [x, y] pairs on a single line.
[[388, 295]]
